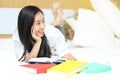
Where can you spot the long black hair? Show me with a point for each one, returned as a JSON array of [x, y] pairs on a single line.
[[25, 22]]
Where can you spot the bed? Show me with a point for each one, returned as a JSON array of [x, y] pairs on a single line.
[[103, 56], [96, 39], [85, 54]]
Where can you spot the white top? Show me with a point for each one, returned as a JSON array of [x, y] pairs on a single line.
[[55, 39]]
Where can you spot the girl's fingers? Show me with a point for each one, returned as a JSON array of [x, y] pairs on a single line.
[[69, 57]]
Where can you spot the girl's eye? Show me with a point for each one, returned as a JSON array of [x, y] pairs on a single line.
[[38, 23]]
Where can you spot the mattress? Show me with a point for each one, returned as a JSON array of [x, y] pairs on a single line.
[[105, 56]]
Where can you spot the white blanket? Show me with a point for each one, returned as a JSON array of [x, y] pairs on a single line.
[[105, 56]]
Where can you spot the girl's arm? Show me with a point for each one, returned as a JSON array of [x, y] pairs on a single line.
[[34, 52], [57, 41]]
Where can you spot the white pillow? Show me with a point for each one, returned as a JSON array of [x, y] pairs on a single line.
[[109, 12], [92, 31]]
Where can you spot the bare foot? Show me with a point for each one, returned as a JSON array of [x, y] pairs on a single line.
[[57, 13], [55, 6]]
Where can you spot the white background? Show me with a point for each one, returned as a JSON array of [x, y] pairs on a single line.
[[8, 18]]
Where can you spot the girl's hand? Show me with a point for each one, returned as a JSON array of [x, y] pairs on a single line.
[[69, 57], [35, 37]]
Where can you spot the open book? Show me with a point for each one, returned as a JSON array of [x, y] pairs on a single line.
[[45, 60], [40, 65]]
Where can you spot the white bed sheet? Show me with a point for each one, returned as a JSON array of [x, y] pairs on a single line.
[[102, 55], [105, 56]]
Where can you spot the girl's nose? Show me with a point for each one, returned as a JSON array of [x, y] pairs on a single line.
[[42, 26]]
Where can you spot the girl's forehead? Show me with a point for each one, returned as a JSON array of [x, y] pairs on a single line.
[[39, 16]]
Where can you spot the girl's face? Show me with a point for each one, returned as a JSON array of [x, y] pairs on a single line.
[[38, 24]]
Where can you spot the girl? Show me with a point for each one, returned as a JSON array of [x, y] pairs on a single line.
[[35, 39]]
